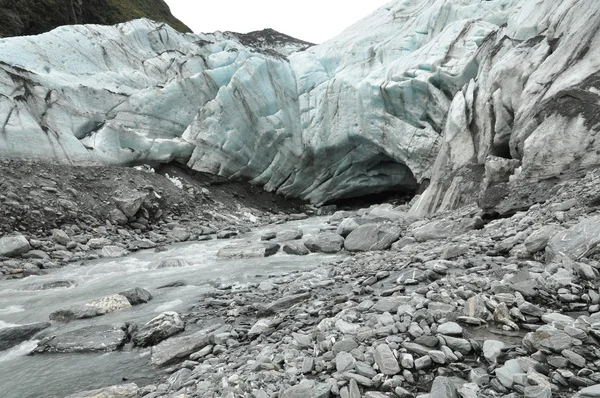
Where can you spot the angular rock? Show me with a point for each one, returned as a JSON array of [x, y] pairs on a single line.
[[443, 387], [506, 373], [130, 202], [60, 237], [344, 362], [325, 243], [549, 340], [443, 229], [576, 241], [386, 361], [281, 304], [158, 329], [137, 295], [475, 308], [180, 234], [295, 249], [346, 227], [118, 217], [589, 392], [178, 348], [293, 234], [450, 329], [13, 246], [491, 350], [15, 335], [539, 239], [372, 237]]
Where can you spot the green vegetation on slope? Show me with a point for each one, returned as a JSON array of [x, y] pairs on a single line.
[[28, 17]]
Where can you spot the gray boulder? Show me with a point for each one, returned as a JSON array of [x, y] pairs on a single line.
[[12, 336], [130, 202], [549, 340], [292, 234], [386, 361], [347, 226], [13, 246], [444, 387], [180, 234], [296, 249], [325, 242], [248, 250], [60, 237], [158, 329], [443, 229], [372, 237], [98, 338], [589, 392], [118, 217], [577, 241], [177, 348], [137, 295], [538, 240], [91, 309]]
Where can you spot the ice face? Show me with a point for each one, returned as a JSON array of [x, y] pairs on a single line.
[[418, 90]]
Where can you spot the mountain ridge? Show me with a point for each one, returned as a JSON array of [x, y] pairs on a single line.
[[31, 17]]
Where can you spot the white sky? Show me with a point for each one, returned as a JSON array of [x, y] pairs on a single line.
[[311, 20]]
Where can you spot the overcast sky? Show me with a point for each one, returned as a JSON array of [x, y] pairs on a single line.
[[310, 20]]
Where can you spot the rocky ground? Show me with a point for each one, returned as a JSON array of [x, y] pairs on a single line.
[[54, 214], [451, 306]]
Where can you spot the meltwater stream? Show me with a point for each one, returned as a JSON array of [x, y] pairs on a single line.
[[58, 375]]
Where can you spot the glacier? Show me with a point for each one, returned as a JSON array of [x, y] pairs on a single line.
[[468, 98]]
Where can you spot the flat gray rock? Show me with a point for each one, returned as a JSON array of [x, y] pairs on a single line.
[[292, 234], [178, 348], [91, 309], [443, 229], [101, 338], [307, 389], [248, 250]]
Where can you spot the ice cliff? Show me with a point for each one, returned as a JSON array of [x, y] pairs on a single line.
[[473, 97]]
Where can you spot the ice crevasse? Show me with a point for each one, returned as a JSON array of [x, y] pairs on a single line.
[[420, 90]]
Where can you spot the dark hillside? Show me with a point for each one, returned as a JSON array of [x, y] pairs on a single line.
[[30, 17]]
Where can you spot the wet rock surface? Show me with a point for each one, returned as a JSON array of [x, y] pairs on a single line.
[[494, 317], [66, 215]]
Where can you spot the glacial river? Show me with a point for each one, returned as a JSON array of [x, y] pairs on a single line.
[[58, 375]]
